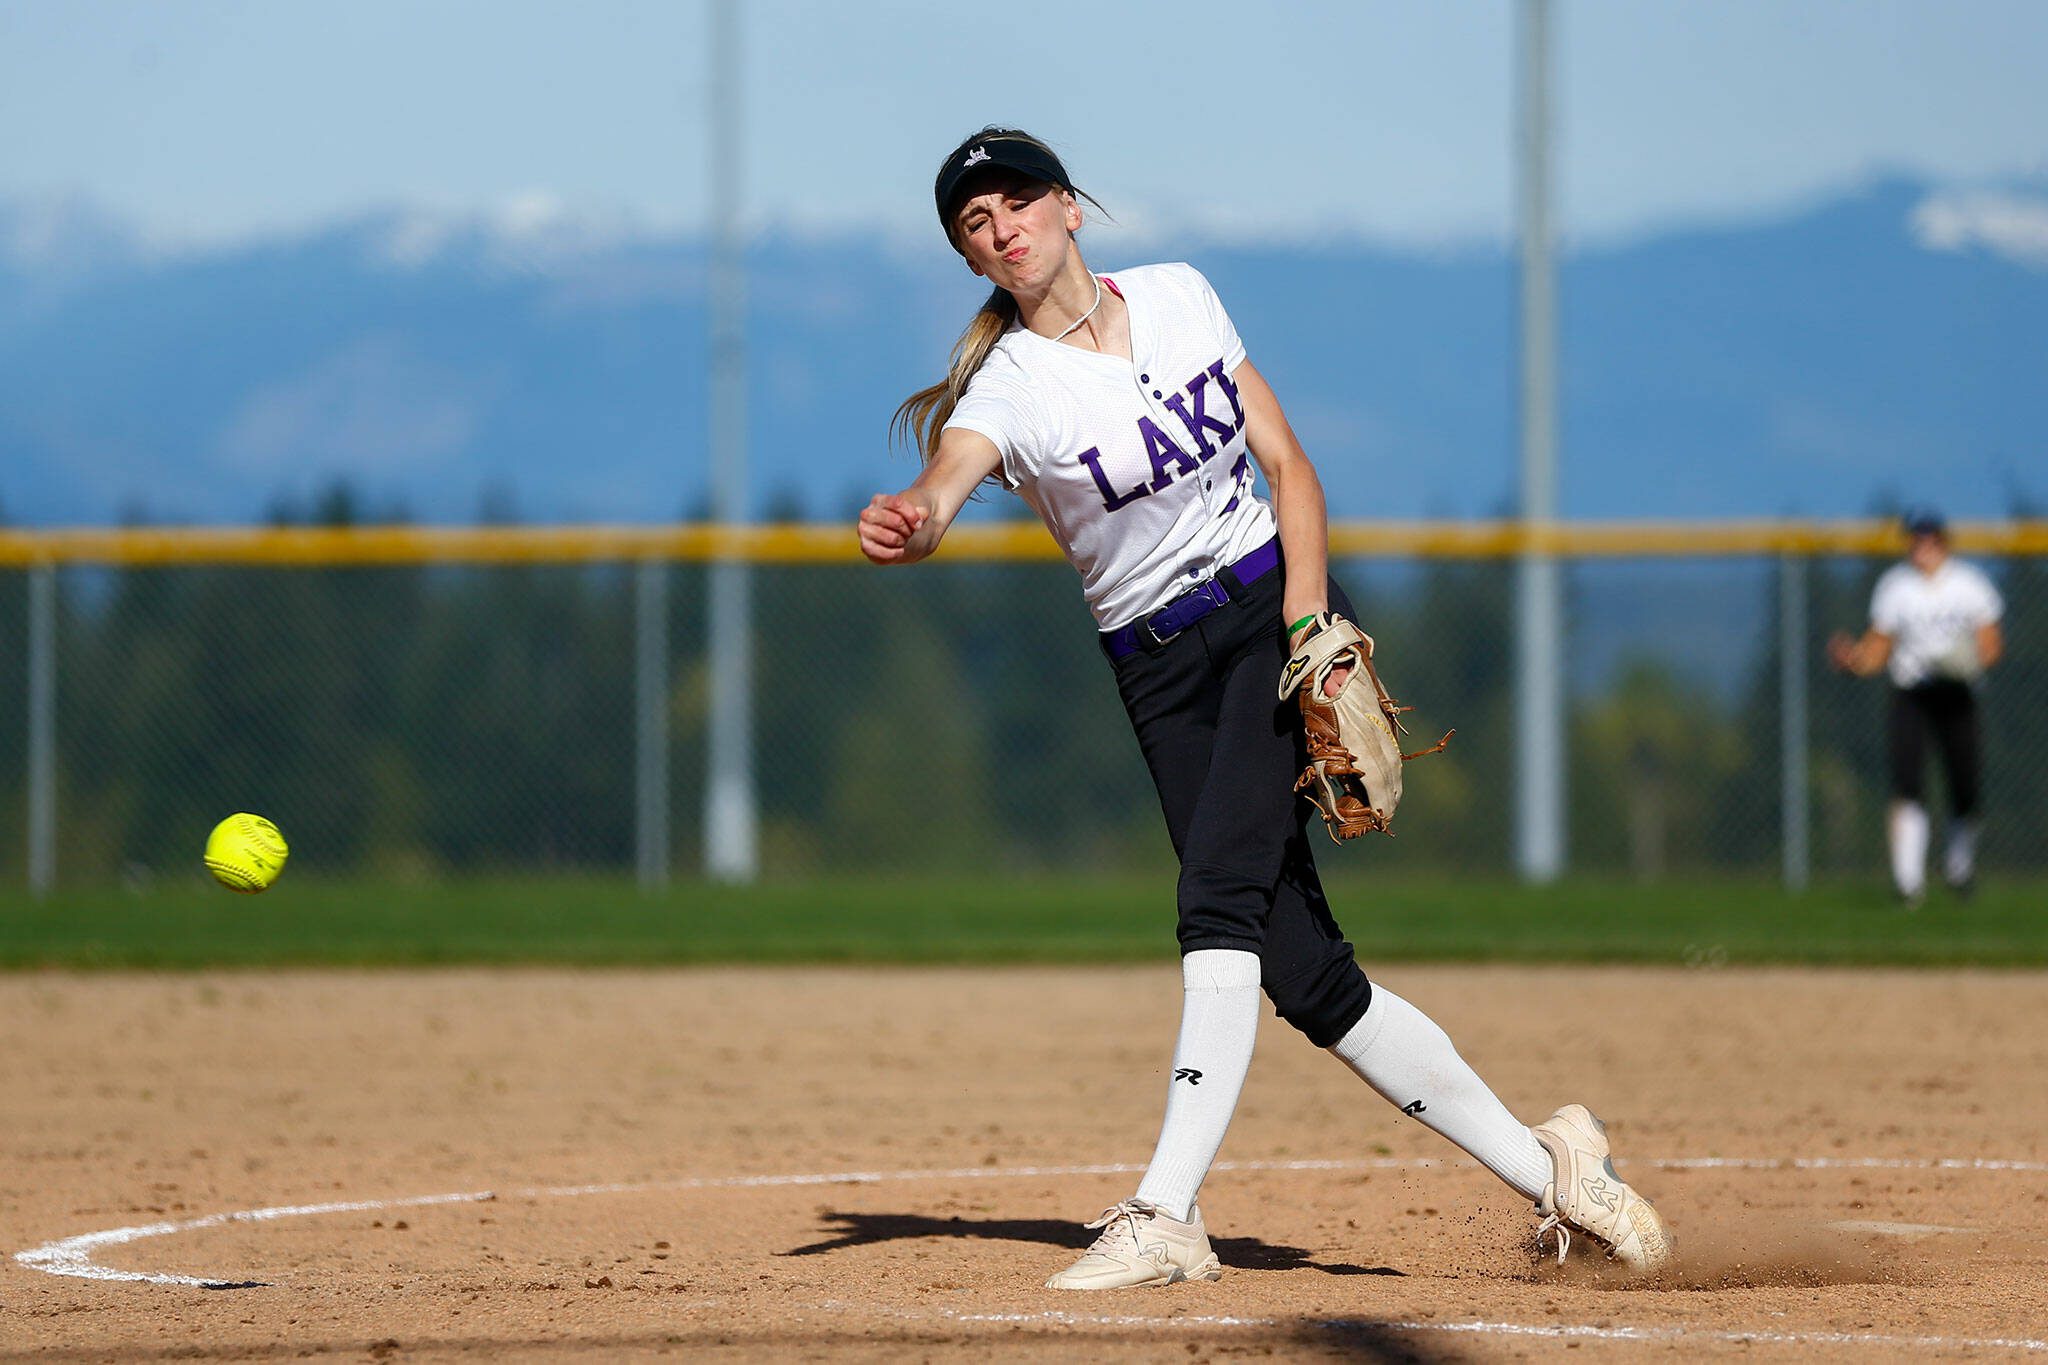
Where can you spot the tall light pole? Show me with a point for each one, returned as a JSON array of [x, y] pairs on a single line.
[[1539, 608], [731, 834]]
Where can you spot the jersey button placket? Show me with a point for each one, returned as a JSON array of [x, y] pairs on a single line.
[[1164, 418]]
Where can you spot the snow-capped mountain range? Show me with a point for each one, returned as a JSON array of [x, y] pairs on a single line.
[[1890, 343]]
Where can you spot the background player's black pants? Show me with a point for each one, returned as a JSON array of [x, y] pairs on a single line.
[[1224, 752], [1948, 711]]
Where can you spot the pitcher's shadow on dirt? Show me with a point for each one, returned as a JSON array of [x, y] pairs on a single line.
[[845, 1230]]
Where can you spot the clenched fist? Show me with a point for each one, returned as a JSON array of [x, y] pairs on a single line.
[[887, 524]]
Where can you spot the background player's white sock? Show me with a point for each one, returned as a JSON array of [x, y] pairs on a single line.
[[1400, 1052], [1219, 1022], [1907, 833], [1960, 864]]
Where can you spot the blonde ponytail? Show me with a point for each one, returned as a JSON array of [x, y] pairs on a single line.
[[922, 416]]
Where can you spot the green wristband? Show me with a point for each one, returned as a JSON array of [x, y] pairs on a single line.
[[1306, 620]]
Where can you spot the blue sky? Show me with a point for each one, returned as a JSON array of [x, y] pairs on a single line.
[[214, 120]]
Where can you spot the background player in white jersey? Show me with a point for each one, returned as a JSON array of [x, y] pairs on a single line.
[[1123, 409], [1934, 627]]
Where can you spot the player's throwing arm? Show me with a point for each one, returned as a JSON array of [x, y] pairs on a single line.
[[902, 528]]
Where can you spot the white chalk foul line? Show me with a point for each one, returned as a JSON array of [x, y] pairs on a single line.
[[1838, 1163], [74, 1256], [1511, 1329]]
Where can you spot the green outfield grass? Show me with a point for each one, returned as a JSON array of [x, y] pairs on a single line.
[[308, 921]]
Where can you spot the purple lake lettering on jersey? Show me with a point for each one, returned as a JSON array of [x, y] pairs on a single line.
[[1169, 461], [1167, 458], [1111, 500], [1198, 422]]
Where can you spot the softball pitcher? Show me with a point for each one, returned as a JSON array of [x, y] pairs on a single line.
[[1123, 409]]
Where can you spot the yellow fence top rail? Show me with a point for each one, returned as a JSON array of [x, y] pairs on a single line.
[[1006, 542]]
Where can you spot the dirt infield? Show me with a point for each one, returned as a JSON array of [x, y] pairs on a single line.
[[882, 1164]]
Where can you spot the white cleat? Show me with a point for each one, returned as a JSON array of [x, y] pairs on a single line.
[[1141, 1245], [1585, 1195]]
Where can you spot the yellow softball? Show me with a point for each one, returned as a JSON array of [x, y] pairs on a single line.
[[245, 853]]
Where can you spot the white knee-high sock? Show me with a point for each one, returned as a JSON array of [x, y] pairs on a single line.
[[1907, 834], [1961, 863], [1219, 1021], [1400, 1052]]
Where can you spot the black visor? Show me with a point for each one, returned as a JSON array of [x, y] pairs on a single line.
[[998, 151], [1924, 521]]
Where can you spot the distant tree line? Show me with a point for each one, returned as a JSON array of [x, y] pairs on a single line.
[[453, 720]]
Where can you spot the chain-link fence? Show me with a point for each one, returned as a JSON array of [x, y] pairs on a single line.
[[431, 720]]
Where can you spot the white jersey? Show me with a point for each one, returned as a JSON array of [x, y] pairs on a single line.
[[1138, 467], [1932, 619]]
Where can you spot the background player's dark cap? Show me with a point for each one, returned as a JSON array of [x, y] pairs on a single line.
[[992, 149], [1924, 521]]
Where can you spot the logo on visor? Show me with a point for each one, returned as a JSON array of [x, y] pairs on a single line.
[[975, 158]]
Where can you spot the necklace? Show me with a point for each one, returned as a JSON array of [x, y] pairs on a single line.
[[1087, 315]]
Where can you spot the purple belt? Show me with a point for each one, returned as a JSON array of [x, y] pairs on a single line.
[[1150, 632]]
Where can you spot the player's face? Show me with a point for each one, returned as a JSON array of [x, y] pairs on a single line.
[[1927, 552], [1017, 232]]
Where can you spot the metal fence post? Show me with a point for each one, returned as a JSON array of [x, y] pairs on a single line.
[[1792, 707], [42, 729], [650, 727]]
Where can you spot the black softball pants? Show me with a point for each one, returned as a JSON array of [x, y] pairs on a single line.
[[1947, 710], [1224, 752]]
